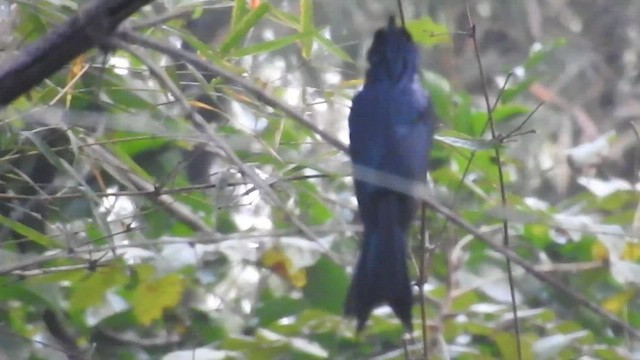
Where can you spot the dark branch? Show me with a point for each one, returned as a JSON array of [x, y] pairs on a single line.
[[83, 31]]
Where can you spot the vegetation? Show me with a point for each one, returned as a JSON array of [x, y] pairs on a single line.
[[185, 193]]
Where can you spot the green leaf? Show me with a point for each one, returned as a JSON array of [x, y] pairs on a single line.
[[508, 112], [59, 162], [464, 301], [506, 343], [91, 289], [439, 92], [539, 54], [201, 48], [11, 290], [333, 48], [285, 18], [133, 144], [311, 205], [256, 348], [28, 232], [225, 223], [205, 326], [461, 116], [425, 31], [306, 26], [273, 310], [30, 26], [243, 27], [131, 164], [471, 144], [550, 347], [536, 235], [477, 123], [124, 98], [326, 286], [511, 92], [269, 46], [240, 10]]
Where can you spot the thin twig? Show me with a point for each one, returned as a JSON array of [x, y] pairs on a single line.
[[181, 12], [516, 130], [503, 193], [54, 270], [260, 95], [421, 192], [217, 141], [163, 191], [249, 87], [466, 171], [401, 12], [423, 279], [202, 238], [92, 24], [121, 171], [575, 296]]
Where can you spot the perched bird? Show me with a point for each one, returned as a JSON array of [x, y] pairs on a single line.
[[391, 129]]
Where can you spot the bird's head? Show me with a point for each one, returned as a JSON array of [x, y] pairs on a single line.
[[393, 56]]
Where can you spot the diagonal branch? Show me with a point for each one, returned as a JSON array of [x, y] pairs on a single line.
[[420, 191], [253, 90], [83, 31]]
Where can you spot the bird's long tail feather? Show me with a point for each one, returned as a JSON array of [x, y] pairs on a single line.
[[381, 273]]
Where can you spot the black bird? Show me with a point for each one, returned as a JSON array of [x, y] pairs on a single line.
[[391, 130]]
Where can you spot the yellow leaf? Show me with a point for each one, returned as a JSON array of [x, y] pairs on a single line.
[[278, 262], [618, 302], [298, 278], [350, 84], [199, 104], [153, 296], [77, 68], [599, 251], [631, 251]]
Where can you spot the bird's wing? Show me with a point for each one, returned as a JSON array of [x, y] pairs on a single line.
[[391, 130]]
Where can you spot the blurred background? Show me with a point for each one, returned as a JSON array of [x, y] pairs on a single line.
[[153, 210]]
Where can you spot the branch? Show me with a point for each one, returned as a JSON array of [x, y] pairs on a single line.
[[177, 209], [421, 192], [218, 141], [130, 338], [64, 195], [61, 332], [83, 31], [503, 192], [558, 285], [192, 59]]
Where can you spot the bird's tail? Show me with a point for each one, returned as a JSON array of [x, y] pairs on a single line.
[[381, 274]]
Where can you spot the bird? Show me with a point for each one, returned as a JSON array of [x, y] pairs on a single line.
[[391, 125]]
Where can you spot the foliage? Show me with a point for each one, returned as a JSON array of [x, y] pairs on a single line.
[[104, 227]]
